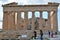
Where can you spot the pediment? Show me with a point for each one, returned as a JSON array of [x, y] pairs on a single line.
[[10, 4]]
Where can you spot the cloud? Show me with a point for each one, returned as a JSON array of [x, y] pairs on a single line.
[[45, 1], [23, 2], [4, 0], [58, 1], [59, 7], [29, 1], [9, 1], [37, 2], [1, 3], [18, 1], [1, 15]]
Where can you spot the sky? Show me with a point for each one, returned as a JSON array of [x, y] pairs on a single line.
[[25, 2]]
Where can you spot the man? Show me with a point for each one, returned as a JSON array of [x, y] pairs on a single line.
[[49, 33], [41, 34]]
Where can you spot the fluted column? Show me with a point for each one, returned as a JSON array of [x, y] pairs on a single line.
[[19, 22], [5, 20], [41, 21], [49, 21], [55, 21], [11, 19], [41, 14], [26, 20], [33, 20]]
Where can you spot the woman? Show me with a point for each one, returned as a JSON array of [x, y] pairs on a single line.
[[35, 34]]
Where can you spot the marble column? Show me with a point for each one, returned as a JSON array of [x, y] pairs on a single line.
[[19, 22], [11, 19], [26, 20], [5, 20], [41, 20], [55, 21], [41, 14], [49, 21], [33, 20]]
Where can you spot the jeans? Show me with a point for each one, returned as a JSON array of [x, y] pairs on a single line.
[[41, 37]]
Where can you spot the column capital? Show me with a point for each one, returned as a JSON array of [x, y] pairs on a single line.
[[26, 12], [54, 11], [41, 11], [6, 12], [48, 11], [18, 11], [33, 11]]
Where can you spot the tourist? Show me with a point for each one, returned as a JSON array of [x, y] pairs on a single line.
[[35, 34], [49, 33], [55, 33], [41, 34], [52, 34]]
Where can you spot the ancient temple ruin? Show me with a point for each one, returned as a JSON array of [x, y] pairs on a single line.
[[21, 25]]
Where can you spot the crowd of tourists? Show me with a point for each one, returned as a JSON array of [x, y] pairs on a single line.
[[50, 34]]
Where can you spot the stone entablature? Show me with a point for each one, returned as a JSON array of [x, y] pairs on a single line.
[[16, 8]]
